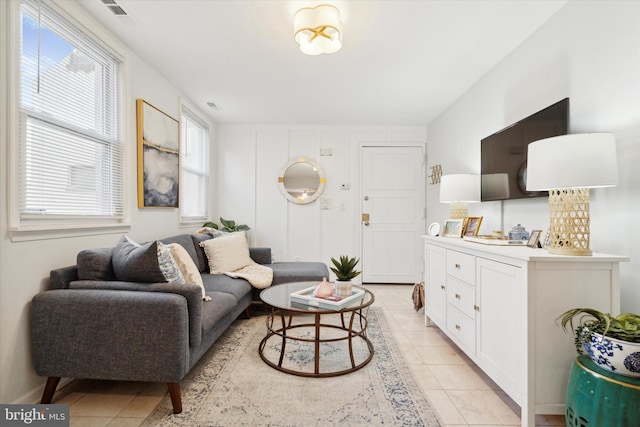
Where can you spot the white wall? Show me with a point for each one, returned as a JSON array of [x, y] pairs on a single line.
[[589, 52], [250, 160], [25, 266]]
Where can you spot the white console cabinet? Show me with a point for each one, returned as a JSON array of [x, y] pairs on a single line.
[[499, 304]]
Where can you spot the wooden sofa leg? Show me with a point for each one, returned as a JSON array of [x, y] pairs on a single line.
[[50, 389], [247, 313], [176, 398]]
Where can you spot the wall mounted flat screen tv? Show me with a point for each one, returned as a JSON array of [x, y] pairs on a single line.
[[503, 155]]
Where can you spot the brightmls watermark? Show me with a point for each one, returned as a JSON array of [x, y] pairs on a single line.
[[34, 415]]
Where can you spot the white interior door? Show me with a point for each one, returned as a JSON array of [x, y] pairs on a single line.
[[392, 223]]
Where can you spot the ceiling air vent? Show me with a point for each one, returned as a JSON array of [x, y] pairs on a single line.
[[215, 106], [114, 7]]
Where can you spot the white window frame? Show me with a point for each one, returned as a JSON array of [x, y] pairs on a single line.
[[187, 113], [28, 227]]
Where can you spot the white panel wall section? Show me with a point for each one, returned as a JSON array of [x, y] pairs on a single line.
[[339, 218], [252, 157], [235, 159], [303, 221], [271, 207]]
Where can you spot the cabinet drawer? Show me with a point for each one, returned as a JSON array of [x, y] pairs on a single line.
[[461, 266], [462, 327], [461, 296]]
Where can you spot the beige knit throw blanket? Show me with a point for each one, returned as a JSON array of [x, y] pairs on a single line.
[[258, 275]]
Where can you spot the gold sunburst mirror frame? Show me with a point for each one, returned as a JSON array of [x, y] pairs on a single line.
[[301, 181]]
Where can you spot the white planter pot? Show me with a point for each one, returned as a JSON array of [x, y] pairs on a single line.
[[344, 288], [620, 357]]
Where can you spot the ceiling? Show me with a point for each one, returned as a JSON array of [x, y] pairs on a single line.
[[402, 62]]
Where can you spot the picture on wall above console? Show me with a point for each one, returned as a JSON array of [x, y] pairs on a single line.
[[503, 155], [158, 157]]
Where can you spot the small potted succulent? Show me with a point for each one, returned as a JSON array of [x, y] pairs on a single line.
[[613, 343], [345, 270]]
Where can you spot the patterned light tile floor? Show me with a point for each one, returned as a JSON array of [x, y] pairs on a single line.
[[459, 392]]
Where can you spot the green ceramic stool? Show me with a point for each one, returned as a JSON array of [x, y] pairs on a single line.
[[599, 398]]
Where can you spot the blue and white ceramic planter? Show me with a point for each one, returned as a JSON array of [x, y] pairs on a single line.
[[620, 357]]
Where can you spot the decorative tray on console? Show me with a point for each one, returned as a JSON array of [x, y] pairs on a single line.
[[491, 240], [306, 297]]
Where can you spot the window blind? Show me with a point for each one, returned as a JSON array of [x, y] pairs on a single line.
[[194, 166], [71, 149]]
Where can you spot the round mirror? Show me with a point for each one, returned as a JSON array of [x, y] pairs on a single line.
[[302, 180]]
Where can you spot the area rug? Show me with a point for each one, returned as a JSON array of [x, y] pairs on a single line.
[[232, 386]]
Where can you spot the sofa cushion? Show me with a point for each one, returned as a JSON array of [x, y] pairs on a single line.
[[185, 241], [187, 267], [95, 264], [285, 272], [221, 304], [223, 283], [143, 263], [227, 253], [203, 263]]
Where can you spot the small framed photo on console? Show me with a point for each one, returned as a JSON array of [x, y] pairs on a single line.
[[534, 239], [472, 225], [453, 228]]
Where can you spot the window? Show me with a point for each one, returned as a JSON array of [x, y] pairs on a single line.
[[194, 166], [71, 150]]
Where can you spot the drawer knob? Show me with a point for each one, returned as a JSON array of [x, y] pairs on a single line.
[[457, 296], [476, 308], [443, 287], [458, 327], [457, 266]]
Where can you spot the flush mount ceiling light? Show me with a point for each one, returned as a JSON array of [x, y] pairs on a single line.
[[317, 29]]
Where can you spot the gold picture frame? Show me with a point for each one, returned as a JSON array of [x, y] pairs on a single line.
[[453, 228], [158, 137], [472, 226], [534, 239]]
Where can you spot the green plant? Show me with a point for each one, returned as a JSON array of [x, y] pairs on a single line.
[[228, 225], [625, 327], [345, 268]]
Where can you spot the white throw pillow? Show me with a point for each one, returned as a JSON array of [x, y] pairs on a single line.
[[227, 253], [187, 267]]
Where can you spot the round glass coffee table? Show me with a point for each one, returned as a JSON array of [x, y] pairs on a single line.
[[339, 329]]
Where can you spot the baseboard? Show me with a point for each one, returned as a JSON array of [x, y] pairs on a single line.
[[34, 396]]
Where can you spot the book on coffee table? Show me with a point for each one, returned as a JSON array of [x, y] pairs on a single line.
[[306, 297]]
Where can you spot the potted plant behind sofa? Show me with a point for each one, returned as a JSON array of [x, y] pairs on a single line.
[[345, 271], [613, 343], [228, 225]]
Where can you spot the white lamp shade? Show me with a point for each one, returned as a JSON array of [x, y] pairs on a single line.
[[459, 188], [495, 186], [318, 29], [572, 161]]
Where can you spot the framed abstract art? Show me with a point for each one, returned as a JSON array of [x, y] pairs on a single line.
[[158, 157]]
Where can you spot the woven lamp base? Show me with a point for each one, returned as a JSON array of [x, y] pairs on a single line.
[[458, 210], [569, 221]]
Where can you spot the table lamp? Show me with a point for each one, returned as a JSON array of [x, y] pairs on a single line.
[[568, 166], [459, 189]]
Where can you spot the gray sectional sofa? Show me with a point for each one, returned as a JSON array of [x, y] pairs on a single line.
[[89, 324]]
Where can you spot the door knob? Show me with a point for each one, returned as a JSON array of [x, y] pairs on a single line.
[[366, 223]]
